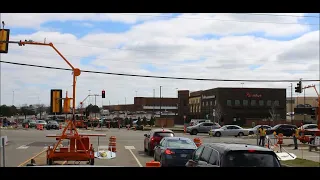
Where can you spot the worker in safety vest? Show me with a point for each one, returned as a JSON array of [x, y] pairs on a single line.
[[295, 136], [262, 133]]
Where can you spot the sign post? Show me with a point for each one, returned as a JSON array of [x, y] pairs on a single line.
[[184, 124]]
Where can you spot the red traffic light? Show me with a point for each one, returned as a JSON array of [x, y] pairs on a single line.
[[103, 94]]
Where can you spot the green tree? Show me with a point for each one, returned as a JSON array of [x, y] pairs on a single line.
[[131, 122], [144, 121], [152, 120], [139, 121]]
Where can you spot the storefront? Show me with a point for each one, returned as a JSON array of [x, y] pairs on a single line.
[[236, 105]]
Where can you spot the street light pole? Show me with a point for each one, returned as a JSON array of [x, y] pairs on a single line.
[[291, 109], [160, 100]]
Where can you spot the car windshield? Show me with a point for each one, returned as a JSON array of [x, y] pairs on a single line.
[[163, 134], [33, 121], [251, 159], [276, 126], [41, 121], [53, 122], [181, 144]]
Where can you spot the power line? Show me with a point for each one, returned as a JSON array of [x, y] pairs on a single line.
[[165, 64], [213, 19], [158, 77]]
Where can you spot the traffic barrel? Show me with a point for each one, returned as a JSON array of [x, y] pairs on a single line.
[[112, 144], [153, 164], [197, 141]]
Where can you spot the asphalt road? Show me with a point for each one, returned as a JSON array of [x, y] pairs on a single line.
[[25, 144]]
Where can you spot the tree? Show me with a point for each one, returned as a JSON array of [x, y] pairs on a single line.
[[272, 112], [139, 121], [152, 120], [144, 121], [126, 121], [131, 122], [218, 113]]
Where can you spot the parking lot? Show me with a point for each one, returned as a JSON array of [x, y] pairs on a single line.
[[24, 145]]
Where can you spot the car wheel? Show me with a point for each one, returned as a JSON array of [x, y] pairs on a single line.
[[154, 157], [240, 134], [194, 132], [251, 133], [218, 134], [149, 151]]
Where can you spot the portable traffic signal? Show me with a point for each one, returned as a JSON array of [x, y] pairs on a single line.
[[4, 36], [103, 94], [66, 105], [298, 89], [56, 101]]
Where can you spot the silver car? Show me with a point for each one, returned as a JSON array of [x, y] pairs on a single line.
[[229, 130], [204, 127]]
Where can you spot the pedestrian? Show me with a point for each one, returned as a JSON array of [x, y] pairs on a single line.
[[262, 133], [295, 136]]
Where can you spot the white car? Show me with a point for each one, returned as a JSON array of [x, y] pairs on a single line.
[[229, 130], [43, 122]]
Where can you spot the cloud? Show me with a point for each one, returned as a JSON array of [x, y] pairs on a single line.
[[160, 45]]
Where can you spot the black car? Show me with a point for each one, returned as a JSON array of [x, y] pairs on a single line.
[[174, 151], [52, 125], [285, 129], [233, 155]]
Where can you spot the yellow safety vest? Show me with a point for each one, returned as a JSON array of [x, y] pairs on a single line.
[[297, 133], [262, 132]]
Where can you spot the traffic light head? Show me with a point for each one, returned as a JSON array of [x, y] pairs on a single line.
[[103, 94], [298, 89], [4, 36]]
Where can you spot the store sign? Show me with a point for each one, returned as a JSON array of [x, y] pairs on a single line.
[[250, 95], [208, 97]]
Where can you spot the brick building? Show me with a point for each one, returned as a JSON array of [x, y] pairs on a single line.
[[236, 105]]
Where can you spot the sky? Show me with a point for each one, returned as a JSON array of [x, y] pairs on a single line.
[[219, 46]]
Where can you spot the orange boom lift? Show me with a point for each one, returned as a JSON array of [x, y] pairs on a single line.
[[79, 148]]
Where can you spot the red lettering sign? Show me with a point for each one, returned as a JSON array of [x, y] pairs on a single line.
[[249, 95]]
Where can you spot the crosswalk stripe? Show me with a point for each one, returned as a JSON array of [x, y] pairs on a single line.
[[23, 147]]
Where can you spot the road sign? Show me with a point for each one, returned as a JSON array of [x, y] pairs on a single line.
[[207, 116], [213, 112]]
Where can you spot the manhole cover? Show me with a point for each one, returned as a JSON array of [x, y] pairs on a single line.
[[44, 144]]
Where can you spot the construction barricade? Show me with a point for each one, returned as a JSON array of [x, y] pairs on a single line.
[[153, 164]]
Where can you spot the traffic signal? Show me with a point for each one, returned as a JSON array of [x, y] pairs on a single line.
[[4, 36], [298, 89], [103, 94]]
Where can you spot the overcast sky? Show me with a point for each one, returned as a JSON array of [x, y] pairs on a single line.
[[222, 46]]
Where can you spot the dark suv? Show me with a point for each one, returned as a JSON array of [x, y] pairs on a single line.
[[285, 129], [233, 155]]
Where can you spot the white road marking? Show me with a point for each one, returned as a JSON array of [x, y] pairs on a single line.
[[134, 156], [23, 147]]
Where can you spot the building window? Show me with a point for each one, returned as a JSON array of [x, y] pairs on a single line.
[[253, 102], [229, 103], [276, 103], [202, 103], [214, 102], [210, 103], [261, 102], [237, 102], [207, 104], [269, 103], [245, 102]]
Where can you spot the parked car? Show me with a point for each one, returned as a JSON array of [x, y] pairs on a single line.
[[255, 129], [309, 129], [285, 129], [230, 130], [31, 123], [52, 125], [203, 127], [154, 137], [194, 122], [42, 122], [233, 155], [174, 151]]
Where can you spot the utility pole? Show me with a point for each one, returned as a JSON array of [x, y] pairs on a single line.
[[291, 114], [154, 94], [160, 101], [13, 98], [304, 105]]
